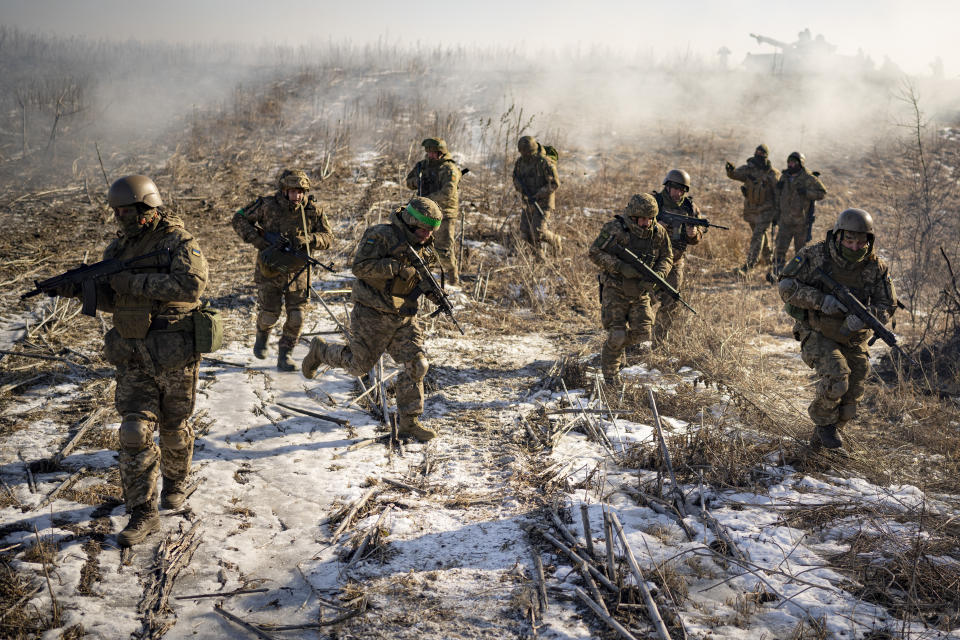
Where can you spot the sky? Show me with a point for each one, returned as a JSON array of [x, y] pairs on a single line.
[[912, 34]]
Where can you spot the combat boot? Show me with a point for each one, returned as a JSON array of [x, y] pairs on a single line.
[[612, 379], [826, 436], [173, 494], [314, 358], [284, 363], [143, 521], [412, 427], [260, 344]]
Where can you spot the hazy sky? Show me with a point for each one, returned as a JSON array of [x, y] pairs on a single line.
[[911, 33]]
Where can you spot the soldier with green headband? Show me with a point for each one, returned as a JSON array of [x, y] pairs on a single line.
[[386, 298]]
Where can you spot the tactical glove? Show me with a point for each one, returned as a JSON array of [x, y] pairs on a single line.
[[123, 282], [729, 166], [831, 306], [68, 290], [629, 271], [854, 323], [260, 243], [407, 274]]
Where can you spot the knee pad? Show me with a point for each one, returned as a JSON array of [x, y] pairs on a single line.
[[617, 337], [267, 319], [175, 438], [835, 386], [135, 432], [295, 318], [417, 368]]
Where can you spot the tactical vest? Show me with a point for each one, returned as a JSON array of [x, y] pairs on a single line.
[[678, 234], [833, 327]]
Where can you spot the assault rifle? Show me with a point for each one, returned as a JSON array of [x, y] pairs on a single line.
[[87, 276], [678, 219], [811, 218], [282, 243], [433, 287], [633, 260], [857, 308]]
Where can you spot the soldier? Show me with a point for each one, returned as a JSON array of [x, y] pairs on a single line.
[[625, 310], [832, 340], [674, 199], [437, 177], [386, 297], [283, 279], [798, 190], [152, 347], [536, 179], [760, 203]]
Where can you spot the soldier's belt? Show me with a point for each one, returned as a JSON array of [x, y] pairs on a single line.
[[173, 323]]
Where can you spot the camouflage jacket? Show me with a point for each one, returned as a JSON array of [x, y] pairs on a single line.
[[438, 180], [760, 193], [378, 264], [678, 234], [159, 290], [796, 192], [276, 213], [803, 291], [536, 175], [652, 246]]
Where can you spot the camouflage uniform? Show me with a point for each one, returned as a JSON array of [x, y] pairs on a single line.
[[275, 287], [439, 180], [536, 175], [827, 345], [384, 316], [666, 314], [152, 346], [625, 310], [797, 192], [760, 204]]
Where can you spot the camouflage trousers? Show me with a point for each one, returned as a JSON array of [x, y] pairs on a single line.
[[271, 300], [149, 400], [669, 309], [534, 226], [444, 242], [373, 333], [790, 231], [628, 321], [760, 247], [842, 370]]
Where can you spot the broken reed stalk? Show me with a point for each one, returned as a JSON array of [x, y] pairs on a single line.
[[608, 541], [382, 386], [373, 531], [243, 623], [402, 485], [221, 594], [577, 560], [540, 579], [562, 528], [330, 312], [314, 414], [63, 485], [354, 508], [367, 391], [603, 614], [88, 422], [54, 607], [172, 556], [666, 454], [587, 533], [652, 611]]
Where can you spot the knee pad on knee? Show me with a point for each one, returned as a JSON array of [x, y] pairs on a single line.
[[835, 386], [267, 319], [136, 432], [417, 368], [295, 318], [175, 439], [617, 337]]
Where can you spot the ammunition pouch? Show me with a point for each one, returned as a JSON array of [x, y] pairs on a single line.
[[131, 316], [207, 329]]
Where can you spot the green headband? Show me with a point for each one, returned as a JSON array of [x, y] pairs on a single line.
[[430, 222]]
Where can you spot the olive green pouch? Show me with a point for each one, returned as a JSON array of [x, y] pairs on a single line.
[[207, 329]]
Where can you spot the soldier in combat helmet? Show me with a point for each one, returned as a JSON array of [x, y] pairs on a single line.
[[760, 203], [833, 341], [798, 190], [624, 291], [386, 298], [536, 179], [283, 279], [152, 347], [437, 177], [675, 198]]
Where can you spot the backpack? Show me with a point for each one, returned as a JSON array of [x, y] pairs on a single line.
[[551, 152]]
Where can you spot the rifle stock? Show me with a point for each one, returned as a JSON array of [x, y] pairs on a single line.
[[632, 259], [857, 308], [443, 302]]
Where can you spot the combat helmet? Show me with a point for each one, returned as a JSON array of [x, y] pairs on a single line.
[[678, 177], [527, 144], [422, 212], [293, 179], [438, 144], [763, 149], [641, 205], [799, 157], [132, 190], [855, 221]]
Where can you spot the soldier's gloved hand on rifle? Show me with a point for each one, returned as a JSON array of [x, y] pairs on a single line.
[[854, 323], [629, 271], [123, 282], [729, 166], [299, 241], [67, 290], [433, 297], [260, 243], [831, 306]]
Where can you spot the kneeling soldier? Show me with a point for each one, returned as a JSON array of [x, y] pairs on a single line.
[[386, 297]]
